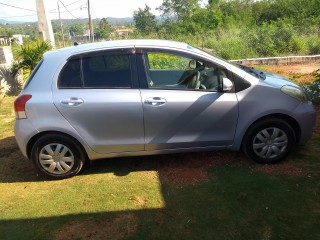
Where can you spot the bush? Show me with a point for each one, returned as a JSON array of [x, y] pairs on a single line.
[[313, 88], [275, 39], [14, 83], [313, 43], [229, 44]]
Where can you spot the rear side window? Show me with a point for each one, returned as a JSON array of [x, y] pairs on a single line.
[[107, 71], [97, 71], [70, 76]]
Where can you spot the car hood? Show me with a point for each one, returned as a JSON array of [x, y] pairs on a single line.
[[277, 80], [267, 77]]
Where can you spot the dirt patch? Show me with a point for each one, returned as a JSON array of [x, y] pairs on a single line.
[[289, 69], [192, 168], [139, 201], [185, 175], [118, 228], [284, 167], [299, 69], [301, 74]]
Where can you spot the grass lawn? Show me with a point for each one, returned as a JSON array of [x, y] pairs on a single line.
[[213, 195]]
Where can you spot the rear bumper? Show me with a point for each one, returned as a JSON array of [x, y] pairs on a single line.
[[24, 131]]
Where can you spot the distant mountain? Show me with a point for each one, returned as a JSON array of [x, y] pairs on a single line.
[[112, 21], [67, 22], [2, 21]]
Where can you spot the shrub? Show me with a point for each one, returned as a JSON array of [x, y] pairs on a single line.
[[14, 82], [29, 56], [275, 39], [313, 88], [313, 44], [229, 44]]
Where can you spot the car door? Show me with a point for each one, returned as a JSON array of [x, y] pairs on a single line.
[[183, 109], [98, 94]]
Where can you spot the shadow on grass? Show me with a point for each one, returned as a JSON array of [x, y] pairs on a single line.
[[233, 202], [14, 167], [207, 195]]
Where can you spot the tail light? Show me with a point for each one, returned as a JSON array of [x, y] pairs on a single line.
[[20, 105]]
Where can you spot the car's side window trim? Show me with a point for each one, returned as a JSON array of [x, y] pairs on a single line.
[[142, 71], [134, 83], [143, 68]]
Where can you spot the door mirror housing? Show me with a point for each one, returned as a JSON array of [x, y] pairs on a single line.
[[227, 84], [192, 64]]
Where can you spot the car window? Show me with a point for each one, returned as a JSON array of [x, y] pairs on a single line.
[[70, 76], [99, 71], [173, 71], [107, 71], [167, 61]]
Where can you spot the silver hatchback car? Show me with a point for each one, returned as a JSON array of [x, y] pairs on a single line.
[[143, 97]]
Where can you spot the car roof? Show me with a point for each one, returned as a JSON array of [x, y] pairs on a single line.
[[68, 51]]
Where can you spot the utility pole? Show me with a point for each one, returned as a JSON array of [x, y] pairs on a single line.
[[90, 24], [44, 23], [61, 26]]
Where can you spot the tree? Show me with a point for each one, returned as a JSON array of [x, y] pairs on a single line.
[[144, 20], [179, 9], [76, 30], [104, 29], [29, 56]]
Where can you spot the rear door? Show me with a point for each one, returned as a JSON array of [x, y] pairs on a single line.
[[183, 106], [98, 94]]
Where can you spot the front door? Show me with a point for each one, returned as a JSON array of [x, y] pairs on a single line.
[[183, 104]]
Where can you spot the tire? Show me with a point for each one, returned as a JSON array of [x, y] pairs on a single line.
[[269, 140], [57, 156]]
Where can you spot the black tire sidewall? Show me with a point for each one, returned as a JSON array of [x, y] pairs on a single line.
[[68, 142], [263, 124]]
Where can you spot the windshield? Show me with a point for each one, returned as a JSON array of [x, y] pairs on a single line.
[[255, 72]]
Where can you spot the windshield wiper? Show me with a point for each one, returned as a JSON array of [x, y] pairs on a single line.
[[255, 72]]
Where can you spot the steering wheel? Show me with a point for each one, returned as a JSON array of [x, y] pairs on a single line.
[[187, 77]]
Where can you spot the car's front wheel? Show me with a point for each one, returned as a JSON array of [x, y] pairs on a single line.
[[269, 140], [57, 156]]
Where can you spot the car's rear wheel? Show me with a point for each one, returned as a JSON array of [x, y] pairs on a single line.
[[57, 156], [269, 140]]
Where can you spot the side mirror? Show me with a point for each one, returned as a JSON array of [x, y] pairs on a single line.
[[227, 84], [193, 64]]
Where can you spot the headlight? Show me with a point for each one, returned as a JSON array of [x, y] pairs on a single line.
[[295, 92]]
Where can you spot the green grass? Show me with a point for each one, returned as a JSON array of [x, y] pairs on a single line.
[[134, 198], [6, 117]]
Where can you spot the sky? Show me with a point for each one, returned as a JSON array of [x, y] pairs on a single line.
[[25, 10]]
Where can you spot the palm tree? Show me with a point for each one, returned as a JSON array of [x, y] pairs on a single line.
[[29, 56]]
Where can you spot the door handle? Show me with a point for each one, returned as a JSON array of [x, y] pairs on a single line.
[[155, 101], [72, 102]]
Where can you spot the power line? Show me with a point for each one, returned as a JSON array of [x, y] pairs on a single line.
[[68, 10], [18, 7], [55, 10], [94, 13]]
